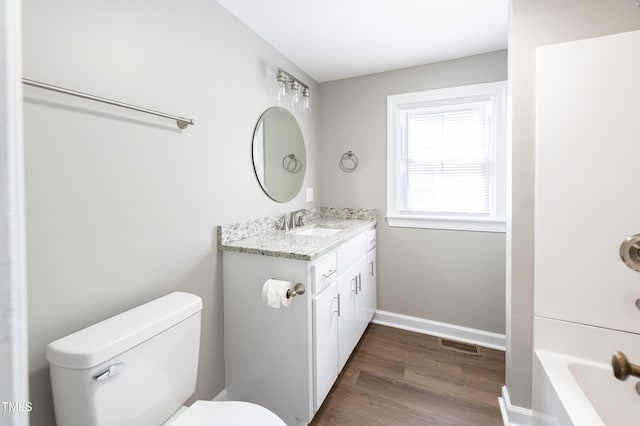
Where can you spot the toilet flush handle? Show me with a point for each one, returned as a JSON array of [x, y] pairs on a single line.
[[112, 371]]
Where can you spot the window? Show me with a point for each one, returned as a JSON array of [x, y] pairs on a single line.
[[446, 158]]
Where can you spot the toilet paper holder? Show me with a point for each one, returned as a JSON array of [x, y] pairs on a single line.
[[296, 290]]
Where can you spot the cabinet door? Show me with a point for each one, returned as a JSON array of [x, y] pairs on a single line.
[[347, 322], [369, 289], [366, 293], [325, 336], [362, 300]]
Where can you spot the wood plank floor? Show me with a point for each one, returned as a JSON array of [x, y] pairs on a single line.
[[397, 377]]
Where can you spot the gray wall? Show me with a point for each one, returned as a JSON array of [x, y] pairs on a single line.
[[537, 23], [122, 207], [455, 277]]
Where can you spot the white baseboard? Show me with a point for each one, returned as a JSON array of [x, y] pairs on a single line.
[[512, 415], [222, 396], [441, 329]]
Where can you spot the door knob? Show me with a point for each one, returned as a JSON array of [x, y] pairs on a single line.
[[630, 252], [622, 368]]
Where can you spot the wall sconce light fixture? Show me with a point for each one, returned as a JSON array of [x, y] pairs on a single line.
[[293, 90]]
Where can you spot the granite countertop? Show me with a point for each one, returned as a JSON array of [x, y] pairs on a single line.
[[293, 245]]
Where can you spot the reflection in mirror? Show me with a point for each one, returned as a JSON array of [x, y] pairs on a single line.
[[279, 155]]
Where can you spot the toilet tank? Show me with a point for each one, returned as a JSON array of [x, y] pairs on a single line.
[[136, 368]]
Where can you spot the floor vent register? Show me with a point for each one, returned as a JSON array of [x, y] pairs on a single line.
[[459, 346]]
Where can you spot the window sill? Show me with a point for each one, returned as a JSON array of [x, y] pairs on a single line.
[[456, 224]]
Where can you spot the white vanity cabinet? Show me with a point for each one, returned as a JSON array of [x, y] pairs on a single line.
[[287, 359]]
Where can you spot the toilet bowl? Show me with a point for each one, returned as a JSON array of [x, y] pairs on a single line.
[[137, 369], [206, 413]]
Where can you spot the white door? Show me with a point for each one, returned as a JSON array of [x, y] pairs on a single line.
[[587, 162]]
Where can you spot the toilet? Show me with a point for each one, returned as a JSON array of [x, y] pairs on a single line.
[[139, 368]]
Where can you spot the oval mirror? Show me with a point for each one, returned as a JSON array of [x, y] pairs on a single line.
[[279, 155]]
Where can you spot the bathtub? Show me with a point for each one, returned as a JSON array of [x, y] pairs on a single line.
[[574, 391], [573, 382]]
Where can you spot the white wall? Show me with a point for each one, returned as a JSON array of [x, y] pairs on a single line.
[[535, 24], [122, 207], [454, 277]]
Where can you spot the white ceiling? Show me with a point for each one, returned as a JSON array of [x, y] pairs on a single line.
[[335, 39]]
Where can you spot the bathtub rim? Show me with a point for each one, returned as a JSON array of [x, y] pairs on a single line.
[[567, 389]]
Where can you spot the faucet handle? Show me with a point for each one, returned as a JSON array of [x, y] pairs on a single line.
[[285, 224], [296, 217]]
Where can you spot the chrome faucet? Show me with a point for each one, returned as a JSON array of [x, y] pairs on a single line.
[[295, 218]]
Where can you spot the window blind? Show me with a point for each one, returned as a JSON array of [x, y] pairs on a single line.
[[447, 159]]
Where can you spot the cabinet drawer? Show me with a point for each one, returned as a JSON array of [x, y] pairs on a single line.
[[350, 252], [371, 239], [323, 273]]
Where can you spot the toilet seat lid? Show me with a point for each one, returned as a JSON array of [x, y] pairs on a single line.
[[227, 413]]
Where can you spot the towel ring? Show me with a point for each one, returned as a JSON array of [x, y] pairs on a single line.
[[348, 162], [291, 163]]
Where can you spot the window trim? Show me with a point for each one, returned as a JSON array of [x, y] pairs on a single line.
[[396, 103]]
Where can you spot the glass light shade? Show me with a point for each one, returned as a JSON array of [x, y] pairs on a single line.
[[282, 79], [294, 93], [306, 98]]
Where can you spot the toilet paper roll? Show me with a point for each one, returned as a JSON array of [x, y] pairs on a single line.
[[274, 293]]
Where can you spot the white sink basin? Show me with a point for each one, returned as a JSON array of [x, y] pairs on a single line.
[[318, 231]]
